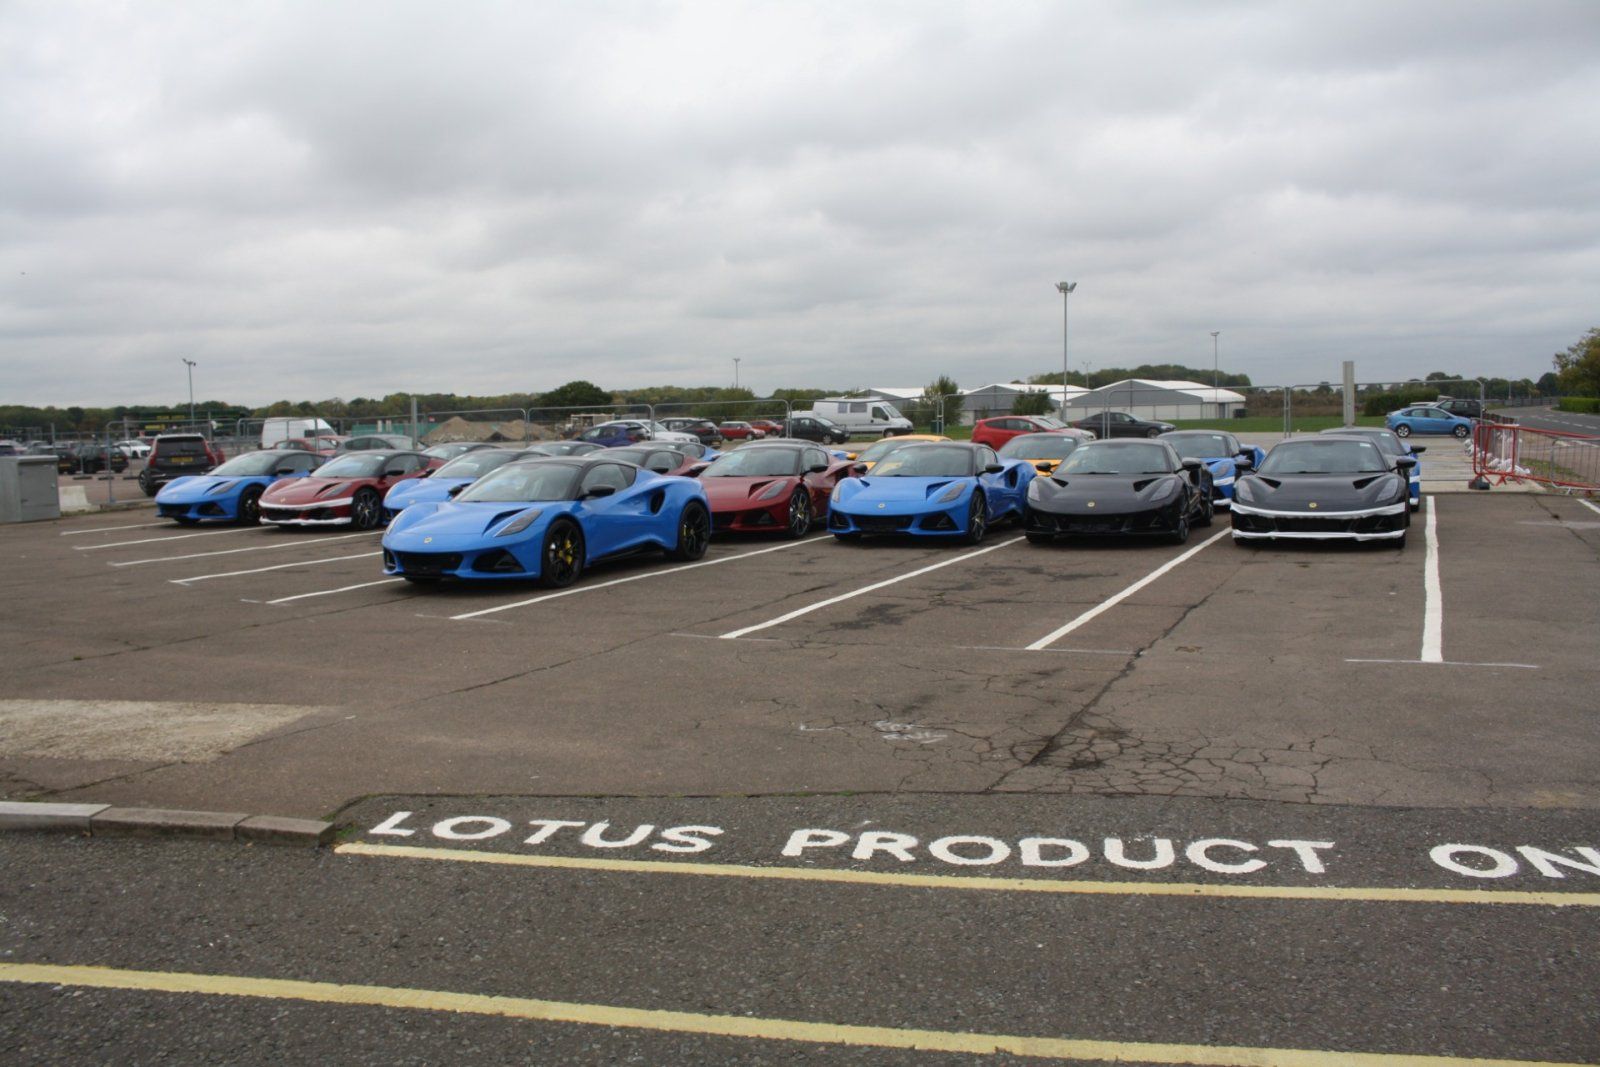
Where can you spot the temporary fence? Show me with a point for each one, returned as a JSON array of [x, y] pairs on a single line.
[[1502, 452]]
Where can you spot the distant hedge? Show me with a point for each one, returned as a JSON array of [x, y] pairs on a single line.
[[1383, 403], [1586, 405]]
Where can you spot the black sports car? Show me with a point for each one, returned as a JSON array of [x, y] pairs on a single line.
[[1120, 488], [1324, 488]]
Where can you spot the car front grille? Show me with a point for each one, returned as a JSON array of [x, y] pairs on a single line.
[[427, 564]]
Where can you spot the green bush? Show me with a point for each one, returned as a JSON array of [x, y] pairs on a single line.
[[1584, 405], [1383, 403]]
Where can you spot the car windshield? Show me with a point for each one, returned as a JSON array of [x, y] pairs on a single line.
[[354, 465], [926, 461], [756, 463], [1387, 442], [447, 451], [1200, 445], [524, 482], [248, 465], [635, 456], [474, 464], [1040, 446], [1111, 458], [878, 449], [1324, 457]]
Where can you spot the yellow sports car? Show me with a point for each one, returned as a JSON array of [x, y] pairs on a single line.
[[1045, 450], [878, 449]]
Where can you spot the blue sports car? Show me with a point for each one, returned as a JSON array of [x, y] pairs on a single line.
[[548, 519], [1393, 446], [433, 488], [231, 492], [1222, 454], [943, 489]]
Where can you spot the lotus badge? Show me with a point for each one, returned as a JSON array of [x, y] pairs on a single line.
[[429, 540], [1091, 503], [1313, 505], [881, 506]]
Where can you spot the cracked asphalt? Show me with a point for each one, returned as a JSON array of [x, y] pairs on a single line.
[[1247, 690]]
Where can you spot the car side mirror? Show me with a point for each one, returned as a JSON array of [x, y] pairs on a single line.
[[599, 491], [1419, 448], [859, 468], [426, 473], [1244, 462], [455, 491], [994, 468], [279, 472], [1405, 463], [1043, 468], [817, 468], [1191, 464], [393, 472], [697, 470]]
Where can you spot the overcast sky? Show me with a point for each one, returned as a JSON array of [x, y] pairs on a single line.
[[352, 199]]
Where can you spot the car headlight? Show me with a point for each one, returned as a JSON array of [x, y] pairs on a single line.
[[224, 487], [1170, 488], [771, 491], [1242, 490], [952, 493], [521, 522]]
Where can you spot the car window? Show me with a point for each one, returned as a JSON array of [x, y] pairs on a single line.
[[663, 462], [816, 457], [986, 456], [612, 474], [404, 464]]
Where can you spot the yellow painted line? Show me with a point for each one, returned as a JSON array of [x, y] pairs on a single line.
[[1007, 885], [684, 1022]]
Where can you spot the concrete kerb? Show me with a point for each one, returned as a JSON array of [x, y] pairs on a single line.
[[103, 820]]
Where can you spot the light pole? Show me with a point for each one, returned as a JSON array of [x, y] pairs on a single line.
[[1066, 292], [191, 365], [736, 371], [1214, 398]]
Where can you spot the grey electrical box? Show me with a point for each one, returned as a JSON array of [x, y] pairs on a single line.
[[28, 489]]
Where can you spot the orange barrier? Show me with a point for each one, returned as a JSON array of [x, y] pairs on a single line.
[[1504, 452]]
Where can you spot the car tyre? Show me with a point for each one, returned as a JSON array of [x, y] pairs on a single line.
[[147, 485], [1180, 532], [977, 519], [1402, 430], [800, 517], [561, 557], [694, 532], [1152, 432], [366, 510], [1208, 510], [250, 506], [1460, 433]]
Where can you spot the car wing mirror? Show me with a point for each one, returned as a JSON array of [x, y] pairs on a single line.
[[598, 491], [279, 472], [455, 491], [1244, 461], [426, 473], [859, 468], [697, 469], [1405, 463], [1043, 468], [994, 468], [1419, 448], [817, 468], [1191, 464]]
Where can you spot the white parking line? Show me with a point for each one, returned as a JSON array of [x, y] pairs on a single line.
[[734, 634], [1432, 607], [1590, 506], [293, 542], [330, 592], [1106, 605], [274, 567], [157, 540], [115, 529], [631, 578]]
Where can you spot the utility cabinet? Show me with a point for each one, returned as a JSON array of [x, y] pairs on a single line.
[[28, 489]]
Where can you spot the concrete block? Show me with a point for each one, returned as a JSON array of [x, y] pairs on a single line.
[[161, 822], [70, 818], [275, 830]]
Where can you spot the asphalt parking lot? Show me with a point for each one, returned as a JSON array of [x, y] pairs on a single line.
[[1243, 706]]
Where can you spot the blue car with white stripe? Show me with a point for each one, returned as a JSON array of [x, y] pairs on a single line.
[[1222, 453], [1393, 446], [232, 492], [940, 489]]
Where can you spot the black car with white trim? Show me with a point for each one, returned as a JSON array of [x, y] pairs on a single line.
[[1324, 488]]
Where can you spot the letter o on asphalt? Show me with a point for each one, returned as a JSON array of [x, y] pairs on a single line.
[[944, 849], [492, 828], [1503, 866]]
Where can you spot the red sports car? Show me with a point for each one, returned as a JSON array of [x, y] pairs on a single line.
[[772, 486], [658, 458], [345, 491], [767, 426]]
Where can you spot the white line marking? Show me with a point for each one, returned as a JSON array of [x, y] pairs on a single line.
[[158, 540], [1106, 605], [294, 542], [274, 567], [116, 529], [330, 592], [631, 578], [1590, 506], [732, 634], [1433, 609], [1079, 651], [1449, 663]]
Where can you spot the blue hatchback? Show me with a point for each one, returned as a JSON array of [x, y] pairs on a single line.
[[1425, 419]]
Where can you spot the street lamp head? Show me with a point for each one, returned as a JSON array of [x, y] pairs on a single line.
[[1066, 287], [1215, 334]]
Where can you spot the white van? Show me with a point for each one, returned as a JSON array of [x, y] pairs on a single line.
[[862, 415], [276, 431]]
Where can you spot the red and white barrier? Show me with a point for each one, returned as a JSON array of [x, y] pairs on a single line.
[[1503, 452]]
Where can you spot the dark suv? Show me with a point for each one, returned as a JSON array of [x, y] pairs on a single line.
[[85, 458], [1467, 409], [704, 429], [173, 455]]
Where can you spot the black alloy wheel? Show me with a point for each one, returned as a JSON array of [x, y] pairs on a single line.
[[366, 510], [799, 513], [1207, 508], [977, 518], [1180, 531], [250, 506], [694, 532], [1152, 432], [561, 558]]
